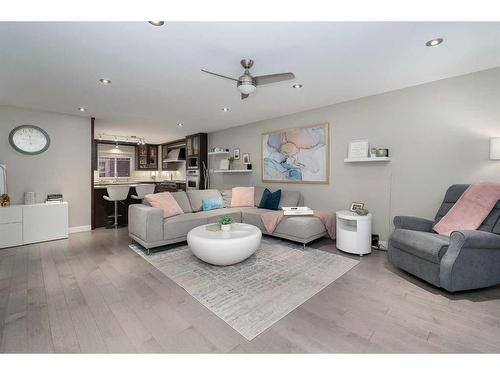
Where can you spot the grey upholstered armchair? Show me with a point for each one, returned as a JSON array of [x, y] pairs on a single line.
[[468, 259]]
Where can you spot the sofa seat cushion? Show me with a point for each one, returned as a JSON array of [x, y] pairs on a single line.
[[428, 246], [300, 226], [213, 216], [251, 216], [179, 226]]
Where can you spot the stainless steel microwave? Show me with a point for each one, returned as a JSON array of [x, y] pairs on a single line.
[[192, 162]]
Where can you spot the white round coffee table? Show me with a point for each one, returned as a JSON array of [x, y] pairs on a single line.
[[223, 248]]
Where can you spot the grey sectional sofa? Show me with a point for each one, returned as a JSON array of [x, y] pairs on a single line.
[[147, 226], [468, 259]]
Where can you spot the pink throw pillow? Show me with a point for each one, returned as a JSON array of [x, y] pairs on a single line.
[[242, 197], [166, 202]]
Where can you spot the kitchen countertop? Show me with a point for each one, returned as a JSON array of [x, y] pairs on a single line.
[[104, 184]]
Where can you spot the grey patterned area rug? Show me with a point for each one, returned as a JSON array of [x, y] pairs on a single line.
[[253, 295]]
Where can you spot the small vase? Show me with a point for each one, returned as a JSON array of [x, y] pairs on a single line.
[[225, 227]]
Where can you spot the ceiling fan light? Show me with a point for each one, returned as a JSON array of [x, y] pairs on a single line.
[[246, 88]]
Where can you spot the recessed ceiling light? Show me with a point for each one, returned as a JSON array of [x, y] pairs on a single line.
[[82, 109], [179, 124], [225, 109], [105, 81], [157, 23], [297, 86], [434, 42]]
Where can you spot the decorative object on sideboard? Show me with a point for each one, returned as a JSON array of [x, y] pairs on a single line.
[[4, 200], [29, 197], [246, 158], [225, 222], [54, 198], [356, 205], [382, 152], [306, 150], [3, 179], [358, 149], [236, 154], [29, 139], [361, 211]]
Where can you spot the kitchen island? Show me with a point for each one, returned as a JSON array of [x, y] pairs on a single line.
[[103, 208]]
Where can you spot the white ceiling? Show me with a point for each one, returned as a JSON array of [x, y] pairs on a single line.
[[157, 81]]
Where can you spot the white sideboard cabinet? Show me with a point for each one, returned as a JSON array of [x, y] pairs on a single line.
[[25, 224]]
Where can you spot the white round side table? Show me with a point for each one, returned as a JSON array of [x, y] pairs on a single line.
[[354, 232]]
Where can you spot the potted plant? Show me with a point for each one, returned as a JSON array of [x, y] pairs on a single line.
[[225, 222]]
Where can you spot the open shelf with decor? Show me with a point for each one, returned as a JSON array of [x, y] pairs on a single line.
[[363, 160], [233, 170], [218, 153]]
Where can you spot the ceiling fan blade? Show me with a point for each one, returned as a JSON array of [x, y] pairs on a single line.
[[244, 96], [219, 75], [272, 78]]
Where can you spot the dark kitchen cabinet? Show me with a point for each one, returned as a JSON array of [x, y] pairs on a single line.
[[146, 157]]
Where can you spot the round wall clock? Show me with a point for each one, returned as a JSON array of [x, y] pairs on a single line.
[[29, 139]]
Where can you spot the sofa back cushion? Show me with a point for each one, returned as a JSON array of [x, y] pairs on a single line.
[[166, 202], [226, 197], [289, 198], [196, 197], [209, 204], [183, 201], [490, 224], [243, 196], [259, 191], [270, 200]]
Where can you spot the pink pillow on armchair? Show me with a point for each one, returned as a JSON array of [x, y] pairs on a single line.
[[166, 202], [242, 197]]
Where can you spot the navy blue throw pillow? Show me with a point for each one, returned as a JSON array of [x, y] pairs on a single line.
[[269, 200]]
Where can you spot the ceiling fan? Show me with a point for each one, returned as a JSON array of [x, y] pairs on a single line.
[[247, 84]]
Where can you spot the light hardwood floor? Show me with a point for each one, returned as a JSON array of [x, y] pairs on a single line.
[[91, 293]]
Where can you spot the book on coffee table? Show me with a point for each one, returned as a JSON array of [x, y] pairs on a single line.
[[213, 227], [289, 211]]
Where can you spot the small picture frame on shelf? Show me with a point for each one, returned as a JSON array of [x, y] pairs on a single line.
[[246, 158], [356, 205], [236, 154], [358, 149]]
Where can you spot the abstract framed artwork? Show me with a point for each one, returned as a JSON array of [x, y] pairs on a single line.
[[298, 155]]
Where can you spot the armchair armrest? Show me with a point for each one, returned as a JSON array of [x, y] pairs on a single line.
[[475, 239], [413, 223], [471, 261]]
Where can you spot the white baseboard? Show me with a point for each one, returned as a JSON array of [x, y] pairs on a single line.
[[83, 228]]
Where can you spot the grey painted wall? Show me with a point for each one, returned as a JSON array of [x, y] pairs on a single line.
[[63, 168], [438, 134]]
